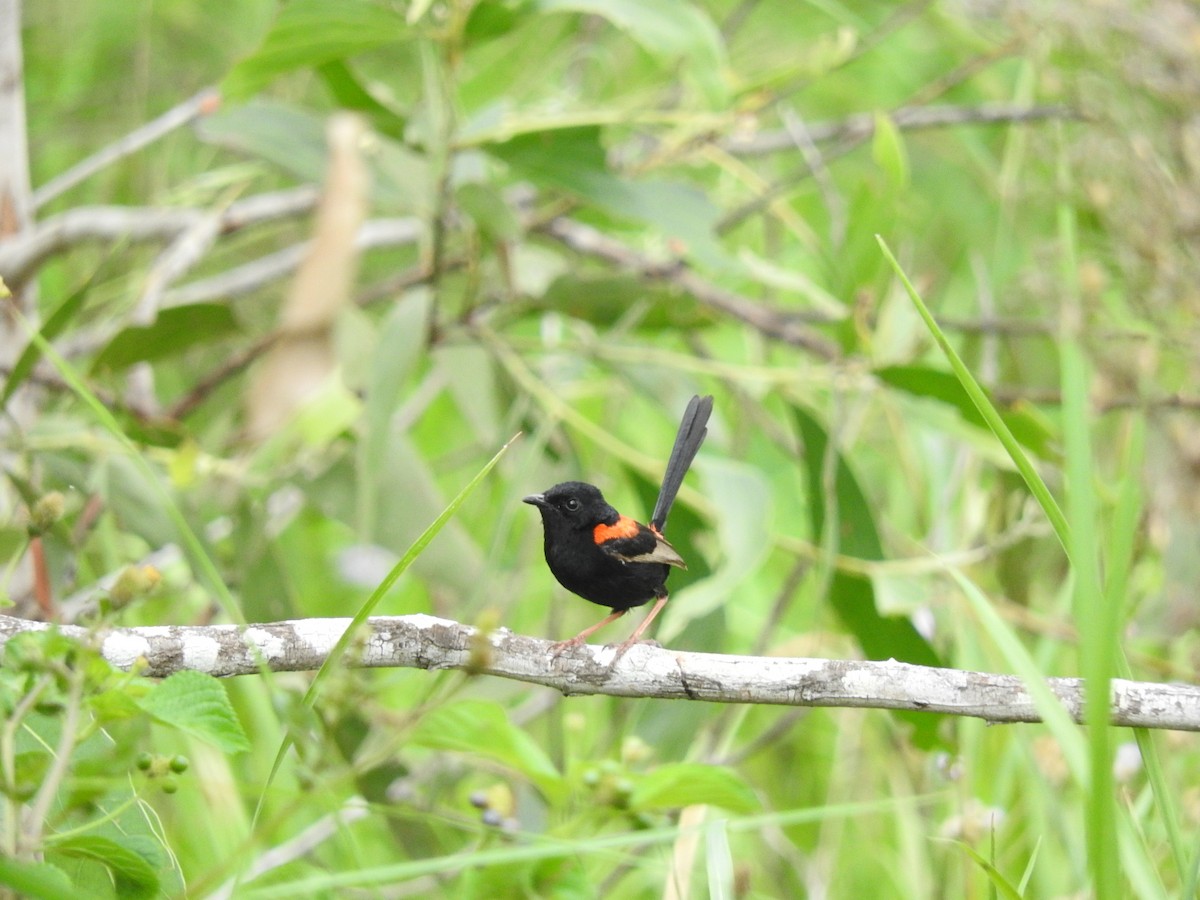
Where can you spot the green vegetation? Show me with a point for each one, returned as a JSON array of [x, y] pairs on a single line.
[[936, 268]]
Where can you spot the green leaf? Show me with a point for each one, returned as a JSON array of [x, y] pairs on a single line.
[[852, 595], [684, 784], [488, 209], [293, 138], [309, 33], [133, 876], [29, 770], [743, 494], [53, 327], [349, 93], [39, 881], [176, 329], [938, 384], [573, 159], [12, 541], [403, 333], [483, 728], [289, 137], [197, 704], [670, 31], [887, 149], [607, 299], [488, 21]]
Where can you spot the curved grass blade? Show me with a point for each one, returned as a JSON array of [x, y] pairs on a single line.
[[368, 607], [993, 418]]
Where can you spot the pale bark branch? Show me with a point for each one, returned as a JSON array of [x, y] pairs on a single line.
[[22, 254], [203, 103], [426, 642], [787, 326], [862, 125]]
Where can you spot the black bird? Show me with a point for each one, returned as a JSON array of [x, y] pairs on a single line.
[[611, 559]]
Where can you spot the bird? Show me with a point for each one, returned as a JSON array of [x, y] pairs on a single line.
[[610, 559]]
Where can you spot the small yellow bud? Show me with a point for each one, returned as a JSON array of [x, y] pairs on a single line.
[[132, 583], [46, 511]]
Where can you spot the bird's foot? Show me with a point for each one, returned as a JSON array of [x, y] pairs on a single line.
[[558, 648]]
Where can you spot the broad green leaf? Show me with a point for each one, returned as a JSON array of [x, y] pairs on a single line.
[[470, 373], [293, 138], [685, 784], [487, 21], [887, 149], [12, 541], [310, 33], [349, 93], [290, 137], [937, 384], [38, 881], [743, 495], [573, 160], [569, 158], [401, 345], [489, 211], [669, 30], [604, 299], [176, 329], [133, 876], [483, 728], [853, 596], [197, 704], [29, 769]]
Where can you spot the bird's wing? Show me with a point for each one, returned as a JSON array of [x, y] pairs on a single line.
[[643, 546]]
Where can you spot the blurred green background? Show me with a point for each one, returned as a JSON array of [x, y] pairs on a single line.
[[583, 213]]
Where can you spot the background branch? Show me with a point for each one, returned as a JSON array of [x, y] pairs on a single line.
[[427, 642], [861, 126]]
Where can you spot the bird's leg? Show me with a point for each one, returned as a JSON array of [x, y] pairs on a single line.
[[640, 630], [559, 647]]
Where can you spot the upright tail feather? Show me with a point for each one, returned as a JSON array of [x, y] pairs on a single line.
[[692, 431]]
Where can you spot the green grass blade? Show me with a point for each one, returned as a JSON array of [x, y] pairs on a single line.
[[1121, 539], [371, 602], [51, 328], [1018, 658], [1097, 627], [994, 421], [1001, 885], [540, 846]]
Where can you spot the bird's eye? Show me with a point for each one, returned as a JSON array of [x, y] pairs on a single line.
[[572, 504]]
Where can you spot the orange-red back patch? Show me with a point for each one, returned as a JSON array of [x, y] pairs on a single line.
[[624, 527]]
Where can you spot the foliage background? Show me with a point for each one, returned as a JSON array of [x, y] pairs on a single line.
[[599, 234]]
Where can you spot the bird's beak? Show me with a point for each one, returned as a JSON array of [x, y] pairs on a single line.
[[535, 499]]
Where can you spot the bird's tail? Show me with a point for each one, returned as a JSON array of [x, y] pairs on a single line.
[[691, 434]]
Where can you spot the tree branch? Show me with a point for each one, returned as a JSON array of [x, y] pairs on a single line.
[[426, 642], [786, 326], [202, 104], [861, 126], [21, 254]]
